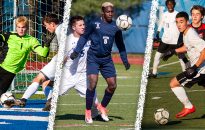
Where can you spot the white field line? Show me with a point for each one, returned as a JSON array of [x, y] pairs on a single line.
[[188, 91], [168, 64], [26, 118]]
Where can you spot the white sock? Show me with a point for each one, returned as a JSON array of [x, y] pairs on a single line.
[[182, 65], [31, 90], [181, 95], [157, 57]]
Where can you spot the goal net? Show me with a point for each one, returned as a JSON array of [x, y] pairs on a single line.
[[34, 10]]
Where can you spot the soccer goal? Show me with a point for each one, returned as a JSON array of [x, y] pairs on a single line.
[[34, 10]]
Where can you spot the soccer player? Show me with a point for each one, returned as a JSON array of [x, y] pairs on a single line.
[[16, 46], [197, 14], [52, 24], [195, 48], [169, 37], [101, 32]]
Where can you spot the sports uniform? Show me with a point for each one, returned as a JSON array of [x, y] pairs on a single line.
[[49, 70], [200, 30], [194, 45], [169, 39], [14, 56]]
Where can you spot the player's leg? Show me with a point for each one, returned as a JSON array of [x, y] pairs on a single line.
[[161, 49], [6, 79], [47, 87], [180, 93]]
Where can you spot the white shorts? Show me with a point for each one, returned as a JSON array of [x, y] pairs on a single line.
[[78, 81], [50, 69]]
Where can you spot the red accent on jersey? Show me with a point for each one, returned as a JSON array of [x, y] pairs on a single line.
[[200, 30]]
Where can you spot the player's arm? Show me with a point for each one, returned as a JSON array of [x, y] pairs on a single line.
[[121, 47], [82, 41], [36, 47]]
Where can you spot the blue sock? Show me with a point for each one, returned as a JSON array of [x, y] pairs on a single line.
[[89, 98], [106, 99], [47, 91]]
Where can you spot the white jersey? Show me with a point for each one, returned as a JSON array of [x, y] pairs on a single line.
[[77, 65], [171, 32], [194, 45]]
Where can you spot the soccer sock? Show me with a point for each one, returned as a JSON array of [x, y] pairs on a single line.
[[30, 90], [156, 62], [89, 98], [182, 65], [181, 95], [47, 90], [106, 99]]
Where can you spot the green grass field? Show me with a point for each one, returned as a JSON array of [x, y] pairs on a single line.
[[159, 87], [122, 108]]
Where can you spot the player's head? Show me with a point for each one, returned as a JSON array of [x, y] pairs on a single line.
[[51, 22], [107, 11], [77, 25], [21, 25], [197, 14], [182, 21], [170, 5]]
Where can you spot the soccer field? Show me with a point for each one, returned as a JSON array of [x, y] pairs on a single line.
[[159, 95], [122, 108]]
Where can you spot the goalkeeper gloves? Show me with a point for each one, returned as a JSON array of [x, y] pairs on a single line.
[[127, 65], [47, 39], [191, 72], [74, 55], [168, 54]]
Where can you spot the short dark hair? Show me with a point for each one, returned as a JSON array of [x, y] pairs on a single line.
[[183, 14], [199, 8], [74, 19], [173, 1], [51, 18]]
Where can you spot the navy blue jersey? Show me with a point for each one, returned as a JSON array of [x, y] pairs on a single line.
[[102, 36]]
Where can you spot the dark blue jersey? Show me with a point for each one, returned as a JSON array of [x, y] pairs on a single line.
[[102, 36]]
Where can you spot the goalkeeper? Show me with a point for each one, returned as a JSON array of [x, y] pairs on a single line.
[[15, 48]]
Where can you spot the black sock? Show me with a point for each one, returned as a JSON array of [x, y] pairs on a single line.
[[89, 98], [106, 99]]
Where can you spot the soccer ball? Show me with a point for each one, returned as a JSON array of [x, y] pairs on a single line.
[[124, 22], [6, 96], [161, 116]]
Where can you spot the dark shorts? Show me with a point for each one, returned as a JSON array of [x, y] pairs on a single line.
[[199, 79], [6, 79], [103, 65], [164, 47]]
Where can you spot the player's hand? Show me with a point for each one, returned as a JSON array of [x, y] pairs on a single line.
[[47, 39], [191, 72], [127, 65], [74, 55], [168, 54]]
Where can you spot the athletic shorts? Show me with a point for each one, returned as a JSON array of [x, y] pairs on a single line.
[[78, 81], [49, 70], [199, 78], [103, 65], [163, 47], [6, 79]]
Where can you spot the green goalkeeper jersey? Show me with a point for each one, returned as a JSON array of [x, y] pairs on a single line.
[[15, 51]]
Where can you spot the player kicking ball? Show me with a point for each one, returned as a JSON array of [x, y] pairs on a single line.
[[195, 48]]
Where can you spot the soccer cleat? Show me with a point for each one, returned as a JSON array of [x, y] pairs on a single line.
[[9, 103], [88, 117], [151, 75], [103, 112], [21, 102], [47, 106], [185, 112]]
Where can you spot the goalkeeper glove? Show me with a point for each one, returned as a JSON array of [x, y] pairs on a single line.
[[191, 72], [168, 54], [127, 65], [47, 39], [74, 55]]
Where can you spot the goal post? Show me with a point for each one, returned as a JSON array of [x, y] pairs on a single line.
[[34, 10]]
